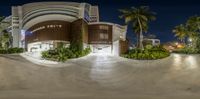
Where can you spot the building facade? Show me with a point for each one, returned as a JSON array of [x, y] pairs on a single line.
[[42, 25]]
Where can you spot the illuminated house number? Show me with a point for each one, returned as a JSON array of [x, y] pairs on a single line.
[[47, 26]]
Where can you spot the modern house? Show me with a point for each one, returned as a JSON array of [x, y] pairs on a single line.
[[154, 42], [42, 25]]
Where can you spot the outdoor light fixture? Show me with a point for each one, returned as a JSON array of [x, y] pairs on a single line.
[[176, 43], [190, 39]]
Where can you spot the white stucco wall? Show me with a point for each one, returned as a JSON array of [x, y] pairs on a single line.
[[116, 49]]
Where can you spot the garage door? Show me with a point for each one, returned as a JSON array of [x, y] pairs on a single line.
[[102, 49]]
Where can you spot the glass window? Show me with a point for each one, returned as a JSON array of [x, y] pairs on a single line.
[[103, 27], [103, 36]]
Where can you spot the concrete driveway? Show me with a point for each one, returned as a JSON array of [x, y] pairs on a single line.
[[101, 77]]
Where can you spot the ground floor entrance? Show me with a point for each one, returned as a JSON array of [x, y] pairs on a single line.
[[101, 48], [44, 45]]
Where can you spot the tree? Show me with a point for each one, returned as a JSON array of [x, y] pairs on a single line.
[[139, 18], [5, 36], [193, 23], [193, 26], [5, 39], [190, 30], [181, 32], [1, 18]]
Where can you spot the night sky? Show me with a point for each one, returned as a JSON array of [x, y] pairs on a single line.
[[169, 13]]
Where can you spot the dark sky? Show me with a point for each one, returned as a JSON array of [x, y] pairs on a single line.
[[169, 12]]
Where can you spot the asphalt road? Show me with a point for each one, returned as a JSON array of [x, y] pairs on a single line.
[[101, 77]]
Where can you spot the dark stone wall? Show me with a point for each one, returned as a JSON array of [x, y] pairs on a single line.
[[95, 31], [79, 33], [76, 31], [49, 30], [123, 46], [85, 31]]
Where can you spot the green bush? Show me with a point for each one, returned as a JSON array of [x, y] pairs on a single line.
[[61, 54], [148, 47], [148, 53], [11, 50], [187, 50]]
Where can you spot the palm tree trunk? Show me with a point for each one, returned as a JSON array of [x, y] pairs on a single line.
[[138, 39], [184, 41], [141, 35]]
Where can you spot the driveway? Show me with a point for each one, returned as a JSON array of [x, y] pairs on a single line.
[[101, 77]]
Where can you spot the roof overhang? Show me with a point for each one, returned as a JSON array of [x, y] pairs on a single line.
[[48, 17]]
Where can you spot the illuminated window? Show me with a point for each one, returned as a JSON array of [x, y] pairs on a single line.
[[106, 36], [103, 27], [103, 36]]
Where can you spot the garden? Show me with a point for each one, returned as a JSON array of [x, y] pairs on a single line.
[[139, 18], [62, 53], [6, 39], [11, 50], [189, 35], [148, 53]]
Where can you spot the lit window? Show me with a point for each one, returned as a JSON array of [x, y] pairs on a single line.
[[106, 36], [103, 27], [103, 36]]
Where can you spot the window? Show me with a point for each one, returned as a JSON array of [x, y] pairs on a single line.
[[157, 42], [103, 27], [103, 36]]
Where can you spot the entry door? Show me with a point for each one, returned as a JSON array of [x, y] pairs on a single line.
[[102, 49]]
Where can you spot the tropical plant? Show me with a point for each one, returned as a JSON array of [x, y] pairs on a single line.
[[5, 39], [5, 36], [61, 54], [11, 50], [193, 25], [181, 32], [139, 18], [191, 31], [1, 18], [149, 53]]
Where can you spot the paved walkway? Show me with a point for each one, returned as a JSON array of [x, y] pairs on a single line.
[[101, 77]]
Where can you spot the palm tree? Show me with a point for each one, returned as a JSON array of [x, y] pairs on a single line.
[[193, 25], [1, 18], [181, 32], [139, 18]]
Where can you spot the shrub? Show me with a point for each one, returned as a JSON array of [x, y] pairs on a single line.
[[148, 53], [15, 50], [187, 50], [148, 47], [61, 54], [11, 50]]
